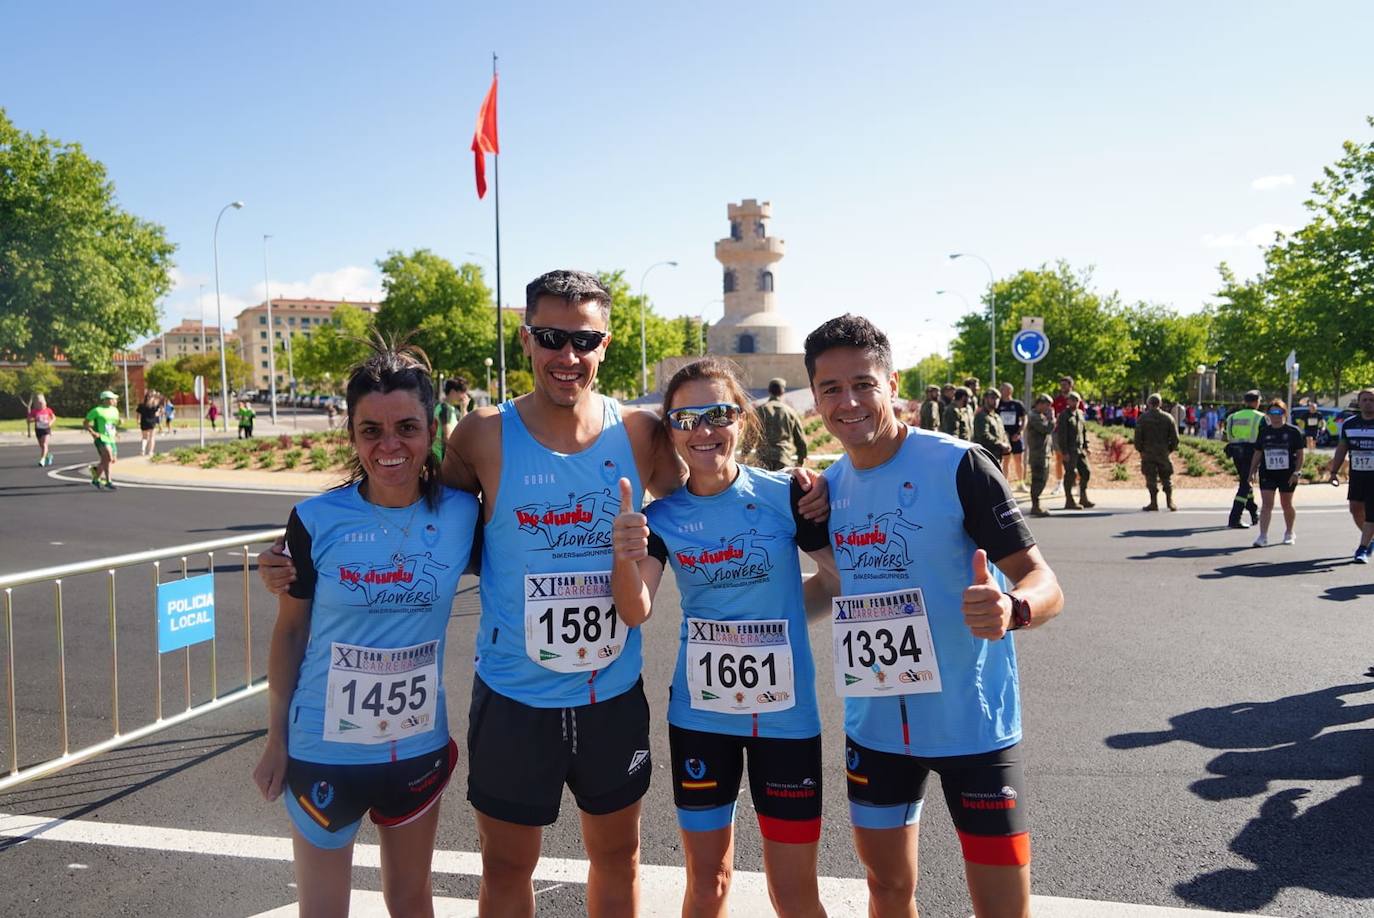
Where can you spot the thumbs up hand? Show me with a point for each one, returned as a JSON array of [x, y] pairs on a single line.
[[630, 531], [987, 610]]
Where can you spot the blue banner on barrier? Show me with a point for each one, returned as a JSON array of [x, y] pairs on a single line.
[[185, 612]]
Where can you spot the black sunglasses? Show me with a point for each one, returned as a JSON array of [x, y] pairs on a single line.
[[554, 339]]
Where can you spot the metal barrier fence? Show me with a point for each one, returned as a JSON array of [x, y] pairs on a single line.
[[110, 566]]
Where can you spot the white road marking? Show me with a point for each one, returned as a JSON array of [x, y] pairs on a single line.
[[85, 478], [661, 886]]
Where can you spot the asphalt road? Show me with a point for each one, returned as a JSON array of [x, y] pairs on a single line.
[[1198, 722]]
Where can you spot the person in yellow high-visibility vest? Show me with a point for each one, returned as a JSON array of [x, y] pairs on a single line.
[[1242, 427]]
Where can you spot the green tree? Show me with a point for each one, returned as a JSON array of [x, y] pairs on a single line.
[[449, 312], [1168, 347], [931, 369], [1089, 337], [620, 371], [207, 365], [166, 377], [325, 357], [77, 273]]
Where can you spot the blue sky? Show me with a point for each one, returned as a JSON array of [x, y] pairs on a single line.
[[1149, 140]]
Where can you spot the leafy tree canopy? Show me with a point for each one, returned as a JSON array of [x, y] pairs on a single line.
[[449, 312], [77, 273]]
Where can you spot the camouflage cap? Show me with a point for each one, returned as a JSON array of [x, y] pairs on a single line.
[[1073, 394], [1043, 398]]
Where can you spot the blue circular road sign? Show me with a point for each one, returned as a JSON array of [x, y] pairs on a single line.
[[1030, 345]]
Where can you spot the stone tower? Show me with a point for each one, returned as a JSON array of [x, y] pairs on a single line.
[[751, 324]]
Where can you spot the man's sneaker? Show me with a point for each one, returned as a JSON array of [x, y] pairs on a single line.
[[49, 462], [95, 476], [109, 485], [1238, 524], [1289, 538], [1261, 541], [1362, 555]]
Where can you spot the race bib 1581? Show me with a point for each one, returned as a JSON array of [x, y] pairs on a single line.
[[570, 621]]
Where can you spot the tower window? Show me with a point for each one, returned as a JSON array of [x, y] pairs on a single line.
[[766, 281], [760, 230], [729, 280], [735, 232], [745, 345]]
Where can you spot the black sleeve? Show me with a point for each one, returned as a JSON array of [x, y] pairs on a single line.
[[992, 517], [658, 549], [811, 536], [298, 546]]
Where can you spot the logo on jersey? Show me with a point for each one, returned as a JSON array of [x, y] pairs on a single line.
[[906, 494], [322, 794], [1008, 514], [610, 472], [581, 522], [743, 557], [430, 535], [882, 543], [408, 580], [752, 512]]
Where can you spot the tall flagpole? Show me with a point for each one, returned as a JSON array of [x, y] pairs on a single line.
[[500, 324]]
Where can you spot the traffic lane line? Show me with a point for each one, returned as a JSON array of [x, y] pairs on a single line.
[[661, 886], [84, 478]]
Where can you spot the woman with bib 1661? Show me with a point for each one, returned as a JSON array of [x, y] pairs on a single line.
[[358, 723], [745, 680]]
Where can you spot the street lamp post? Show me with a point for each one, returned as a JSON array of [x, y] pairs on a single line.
[[219, 317], [486, 362], [643, 344], [271, 334], [992, 304], [1201, 369]]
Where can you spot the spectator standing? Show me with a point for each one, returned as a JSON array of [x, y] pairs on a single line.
[[783, 442], [1156, 436], [957, 420], [1071, 442], [930, 409], [1242, 428], [1312, 424], [212, 413], [1039, 431], [988, 431], [169, 413], [245, 414]]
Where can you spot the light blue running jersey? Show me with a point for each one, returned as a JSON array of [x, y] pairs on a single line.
[[553, 514], [735, 558], [901, 525], [382, 591]]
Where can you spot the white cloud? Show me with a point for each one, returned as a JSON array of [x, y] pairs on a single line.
[[1259, 235], [351, 283], [1270, 182]]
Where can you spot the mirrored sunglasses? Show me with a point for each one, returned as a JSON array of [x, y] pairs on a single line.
[[688, 417], [554, 339], [1276, 412]]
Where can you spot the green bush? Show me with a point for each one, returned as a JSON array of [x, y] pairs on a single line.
[[267, 458], [185, 455], [241, 461], [291, 458], [1119, 472], [319, 459]]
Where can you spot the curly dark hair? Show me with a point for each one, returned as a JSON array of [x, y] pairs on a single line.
[[848, 330]]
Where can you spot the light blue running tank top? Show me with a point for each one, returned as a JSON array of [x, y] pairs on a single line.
[[553, 514], [735, 558], [380, 591], [901, 525]]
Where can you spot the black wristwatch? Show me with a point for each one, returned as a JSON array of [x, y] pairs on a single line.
[[1020, 613]]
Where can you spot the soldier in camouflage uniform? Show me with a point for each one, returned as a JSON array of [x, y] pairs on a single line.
[[1071, 441], [1156, 436], [1039, 429], [930, 409], [988, 431], [957, 420], [783, 442]]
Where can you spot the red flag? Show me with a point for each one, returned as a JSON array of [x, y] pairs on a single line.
[[484, 138]]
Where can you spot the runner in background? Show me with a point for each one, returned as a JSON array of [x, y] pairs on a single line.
[[744, 687], [212, 413], [169, 410], [450, 411], [102, 423], [920, 649], [1356, 442], [358, 719], [42, 417], [1312, 424], [1277, 461], [149, 415]]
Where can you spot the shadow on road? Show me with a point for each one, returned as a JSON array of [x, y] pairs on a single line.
[[1328, 847], [88, 787], [1347, 593], [1279, 569], [1166, 533], [1185, 554]]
